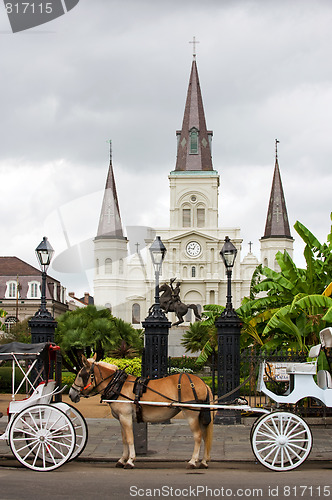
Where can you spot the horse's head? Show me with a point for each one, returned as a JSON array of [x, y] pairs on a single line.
[[90, 377], [165, 288]]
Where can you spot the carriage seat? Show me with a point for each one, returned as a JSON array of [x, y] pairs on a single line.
[[324, 379], [326, 337], [307, 368], [41, 395]]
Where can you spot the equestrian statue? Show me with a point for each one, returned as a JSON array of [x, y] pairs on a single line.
[[170, 302]]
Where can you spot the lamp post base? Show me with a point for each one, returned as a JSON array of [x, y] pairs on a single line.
[[228, 331], [227, 417]]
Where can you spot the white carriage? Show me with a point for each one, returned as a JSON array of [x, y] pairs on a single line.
[[282, 440], [42, 434]]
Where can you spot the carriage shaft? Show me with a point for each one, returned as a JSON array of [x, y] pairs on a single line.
[[194, 406]]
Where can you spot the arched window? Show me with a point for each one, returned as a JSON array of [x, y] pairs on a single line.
[[9, 322], [194, 141], [34, 290], [199, 309], [193, 272], [97, 266], [136, 314], [108, 266], [200, 217], [121, 266], [11, 290], [186, 217], [188, 317]]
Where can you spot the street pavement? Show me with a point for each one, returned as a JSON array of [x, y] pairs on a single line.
[[174, 442]]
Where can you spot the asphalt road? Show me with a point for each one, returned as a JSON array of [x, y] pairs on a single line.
[[101, 481]]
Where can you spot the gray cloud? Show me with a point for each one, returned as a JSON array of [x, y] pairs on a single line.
[[119, 70]]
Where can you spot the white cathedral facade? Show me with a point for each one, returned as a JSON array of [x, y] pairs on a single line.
[[125, 282]]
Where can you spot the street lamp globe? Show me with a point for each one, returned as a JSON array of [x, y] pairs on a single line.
[[228, 253], [44, 252], [157, 252]]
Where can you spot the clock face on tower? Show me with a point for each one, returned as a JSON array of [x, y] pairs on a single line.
[[193, 249]]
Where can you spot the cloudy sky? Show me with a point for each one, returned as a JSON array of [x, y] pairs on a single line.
[[119, 70]]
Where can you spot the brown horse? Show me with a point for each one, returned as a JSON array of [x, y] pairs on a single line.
[[99, 377]]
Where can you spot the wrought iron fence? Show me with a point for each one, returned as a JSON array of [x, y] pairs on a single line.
[[251, 359]]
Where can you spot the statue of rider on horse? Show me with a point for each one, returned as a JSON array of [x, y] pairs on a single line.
[[170, 302]]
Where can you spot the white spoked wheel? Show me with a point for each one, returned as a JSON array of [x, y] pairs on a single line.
[[81, 430], [281, 441], [42, 437]]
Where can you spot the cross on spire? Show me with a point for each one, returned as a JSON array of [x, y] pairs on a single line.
[[137, 245], [250, 245], [110, 143], [277, 211], [277, 142], [194, 41]]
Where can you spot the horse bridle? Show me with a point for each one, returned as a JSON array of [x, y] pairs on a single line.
[[90, 376]]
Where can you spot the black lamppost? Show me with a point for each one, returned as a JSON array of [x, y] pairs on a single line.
[[156, 325], [228, 330], [42, 324]]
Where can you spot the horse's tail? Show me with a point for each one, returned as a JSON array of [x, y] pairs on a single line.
[[206, 422], [194, 308]]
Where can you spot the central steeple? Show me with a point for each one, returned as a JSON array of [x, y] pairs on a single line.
[[194, 183], [194, 140]]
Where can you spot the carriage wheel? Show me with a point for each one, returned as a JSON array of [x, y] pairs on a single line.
[[42, 437], [254, 425], [80, 426], [281, 441], [81, 430]]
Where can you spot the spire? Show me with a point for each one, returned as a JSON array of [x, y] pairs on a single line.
[[110, 224], [277, 225], [194, 148]]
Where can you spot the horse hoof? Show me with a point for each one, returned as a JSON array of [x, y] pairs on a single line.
[[128, 466], [191, 466], [119, 465], [203, 466]]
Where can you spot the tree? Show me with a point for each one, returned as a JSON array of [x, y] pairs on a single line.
[[202, 336], [19, 332], [3, 314], [297, 303], [131, 341], [89, 330]]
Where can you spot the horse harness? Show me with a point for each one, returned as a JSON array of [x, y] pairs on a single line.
[[114, 388]]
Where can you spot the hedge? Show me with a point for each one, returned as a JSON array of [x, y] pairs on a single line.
[[132, 366], [6, 379]]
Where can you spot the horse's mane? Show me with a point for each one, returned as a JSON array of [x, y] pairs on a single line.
[[106, 365]]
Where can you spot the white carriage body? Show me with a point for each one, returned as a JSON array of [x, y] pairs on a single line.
[[302, 377]]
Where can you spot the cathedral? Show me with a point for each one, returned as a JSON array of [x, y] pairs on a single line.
[[124, 280]]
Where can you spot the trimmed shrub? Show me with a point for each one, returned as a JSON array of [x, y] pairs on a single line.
[[132, 366], [186, 362], [180, 370], [68, 380]]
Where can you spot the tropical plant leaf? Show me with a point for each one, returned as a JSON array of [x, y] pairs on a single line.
[[313, 303], [328, 290], [328, 316], [308, 237]]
